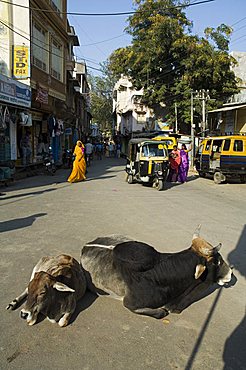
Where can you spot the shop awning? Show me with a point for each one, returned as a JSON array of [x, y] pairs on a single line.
[[224, 109]]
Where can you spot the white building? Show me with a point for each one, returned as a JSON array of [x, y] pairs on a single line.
[[132, 116]]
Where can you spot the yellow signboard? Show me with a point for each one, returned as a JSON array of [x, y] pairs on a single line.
[[21, 65]]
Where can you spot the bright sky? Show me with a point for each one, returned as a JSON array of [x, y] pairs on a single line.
[[97, 29]]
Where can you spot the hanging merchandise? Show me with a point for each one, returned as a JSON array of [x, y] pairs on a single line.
[[25, 119], [3, 125]]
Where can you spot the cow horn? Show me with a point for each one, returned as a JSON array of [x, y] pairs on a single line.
[[217, 248], [62, 287], [197, 232], [199, 271]]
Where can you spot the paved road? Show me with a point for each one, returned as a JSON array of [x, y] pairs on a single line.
[[45, 215]]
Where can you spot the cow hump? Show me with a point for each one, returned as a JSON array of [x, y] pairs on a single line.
[[136, 256]]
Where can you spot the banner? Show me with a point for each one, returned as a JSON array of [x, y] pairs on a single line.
[[21, 62]]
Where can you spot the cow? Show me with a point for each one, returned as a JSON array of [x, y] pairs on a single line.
[[150, 282], [56, 284]]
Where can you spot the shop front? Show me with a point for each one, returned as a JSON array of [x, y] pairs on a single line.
[[15, 119]]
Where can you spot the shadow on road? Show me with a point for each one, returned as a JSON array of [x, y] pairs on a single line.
[[19, 223], [85, 302], [27, 194], [234, 355]]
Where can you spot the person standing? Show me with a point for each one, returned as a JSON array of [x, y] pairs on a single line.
[[174, 159], [184, 164], [26, 148], [79, 165]]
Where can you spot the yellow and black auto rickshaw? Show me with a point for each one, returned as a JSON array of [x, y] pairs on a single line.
[[147, 162], [223, 157], [170, 141]]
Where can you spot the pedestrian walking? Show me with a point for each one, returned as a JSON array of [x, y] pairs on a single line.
[[118, 150], [79, 165], [26, 148]]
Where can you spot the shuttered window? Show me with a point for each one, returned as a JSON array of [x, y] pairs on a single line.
[[56, 60], [40, 53]]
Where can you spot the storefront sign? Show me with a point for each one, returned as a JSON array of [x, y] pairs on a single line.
[[21, 62], [42, 95], [14, 92]]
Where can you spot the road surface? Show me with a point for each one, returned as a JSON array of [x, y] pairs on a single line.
[[45, 215]]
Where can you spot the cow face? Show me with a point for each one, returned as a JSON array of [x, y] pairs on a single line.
[[42, 291], [221, 272]]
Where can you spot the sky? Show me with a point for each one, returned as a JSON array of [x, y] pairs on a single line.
[[99, 36]]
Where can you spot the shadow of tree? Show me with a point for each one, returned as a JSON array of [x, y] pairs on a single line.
[[19, 223]]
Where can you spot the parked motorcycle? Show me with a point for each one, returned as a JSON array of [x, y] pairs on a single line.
[[49, 162], [67, 158]]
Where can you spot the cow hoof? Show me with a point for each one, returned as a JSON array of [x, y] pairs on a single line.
[[51, 320], [176, 311], [63, 322], [11, 306]]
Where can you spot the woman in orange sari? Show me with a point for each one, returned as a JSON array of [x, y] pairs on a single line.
[[79, 165]]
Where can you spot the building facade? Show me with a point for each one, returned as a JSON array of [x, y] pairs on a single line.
[[131, 115], [37, 67], [231, 118]]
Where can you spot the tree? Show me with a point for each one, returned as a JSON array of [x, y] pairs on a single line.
[[169, 62], [101, 98]]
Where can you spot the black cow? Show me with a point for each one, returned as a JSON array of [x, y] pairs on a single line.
[[149, 282]]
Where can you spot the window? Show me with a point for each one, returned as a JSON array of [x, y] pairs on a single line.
[[238, 146], [40, 48], [152, 150], [56, 60], [207, 148], [227, 144], [57, 5]]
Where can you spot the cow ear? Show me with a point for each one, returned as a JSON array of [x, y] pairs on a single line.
[[199, 271], [62, 287]]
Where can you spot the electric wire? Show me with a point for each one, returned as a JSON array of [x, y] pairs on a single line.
[[105, 14]]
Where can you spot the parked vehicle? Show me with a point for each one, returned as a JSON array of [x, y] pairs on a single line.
[[223, 157], [49, 162], [169, 140], [67, 158], [147, 162]]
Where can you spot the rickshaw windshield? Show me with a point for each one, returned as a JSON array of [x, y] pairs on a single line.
[[152, 150]]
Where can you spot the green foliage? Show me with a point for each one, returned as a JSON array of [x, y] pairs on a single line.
[[101, 98], [169, 62]]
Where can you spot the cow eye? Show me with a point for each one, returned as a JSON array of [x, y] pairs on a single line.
[[42, 293]]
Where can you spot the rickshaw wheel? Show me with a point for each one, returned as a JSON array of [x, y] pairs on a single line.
[[158, 184], [129, 179], [219, 178]]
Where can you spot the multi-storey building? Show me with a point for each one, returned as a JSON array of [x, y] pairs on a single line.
[[37, 68], [131, 115]]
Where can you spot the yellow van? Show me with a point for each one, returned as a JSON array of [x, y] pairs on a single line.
[[222, 156], [169, 140]]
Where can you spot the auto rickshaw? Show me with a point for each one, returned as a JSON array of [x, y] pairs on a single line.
[[223, 157], [147, 162], [169, 140]]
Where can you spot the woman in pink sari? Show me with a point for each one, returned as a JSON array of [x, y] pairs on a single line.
[[184, 164]]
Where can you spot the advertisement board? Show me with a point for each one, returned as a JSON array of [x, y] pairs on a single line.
[[21, 64]]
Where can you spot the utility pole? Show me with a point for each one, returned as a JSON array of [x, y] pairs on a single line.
[[203, 95], [192, 130], [176, 117]]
